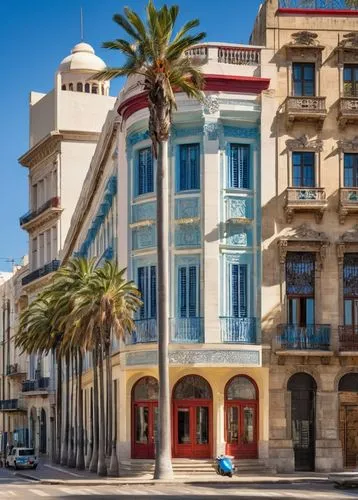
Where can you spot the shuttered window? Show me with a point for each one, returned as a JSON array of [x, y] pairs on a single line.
[[188, 291], [239, 166], [145, 172], [189, 167], [238, 290], [147, 285]]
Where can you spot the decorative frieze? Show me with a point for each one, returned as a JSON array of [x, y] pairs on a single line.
[[186, 132], [348, 144], [134, 138], [188, 235], [304, 143], [241, 132], [304, 238], [144, 237], [187, 208], [210, 105]]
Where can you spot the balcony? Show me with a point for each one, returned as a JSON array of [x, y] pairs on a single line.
[[304, 338], [238, 330], [41, 214], [187, 330], [146, 331], [39, 385], [348, 202], [348, 111], [305, 200], [15, 370], [41, 272], [306, 109], [11, 405], [226, 54], [348, 338], [343, 5]]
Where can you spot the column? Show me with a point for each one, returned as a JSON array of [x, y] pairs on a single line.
[[328, 445], [219, 413]]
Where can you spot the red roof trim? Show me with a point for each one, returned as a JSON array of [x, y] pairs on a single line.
[[225, 83], [318, 12]]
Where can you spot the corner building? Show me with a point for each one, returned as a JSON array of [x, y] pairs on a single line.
[[310, 233]]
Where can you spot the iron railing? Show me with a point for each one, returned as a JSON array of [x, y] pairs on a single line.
[[187, 330], [9, 404], [348, 338], [32, 214], [319, 4], [238, 330], [42, 271], [349, 196], [40, 384], [14, 369], [302, 338], [146, 331]]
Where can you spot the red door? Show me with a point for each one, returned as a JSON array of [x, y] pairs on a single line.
[[192, 429], [241, 429], [144, 425]]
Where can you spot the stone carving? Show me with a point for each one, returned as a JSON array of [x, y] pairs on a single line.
[[350, 40], [212, 131], [303, 142], [144, 237], [237, 208], [237, 238], [188, 235], [305, 233], [186, 208], [196, 357], [210, 105], [305, 38], [350, 236], [144, 212], [348, 145]]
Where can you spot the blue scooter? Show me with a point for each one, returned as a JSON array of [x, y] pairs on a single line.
[[224, 466]]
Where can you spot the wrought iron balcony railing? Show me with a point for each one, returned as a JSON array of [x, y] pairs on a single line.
[[187, 330], [319, 4], [15, 369], [10, 405], [32, 214], [238, 330], [348, 338], [302, 338], [42, 271], [146, 331], [39, 384]]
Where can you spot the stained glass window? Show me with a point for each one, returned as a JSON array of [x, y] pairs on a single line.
[[146, 389], [192, 387], [240, 388]]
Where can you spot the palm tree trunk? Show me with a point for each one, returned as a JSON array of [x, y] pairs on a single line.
[[58, 410], [163, 462], [71, 451], [89, 431], [94, 458], [109, 399], [64, 449], [101, 467], [80, 457]]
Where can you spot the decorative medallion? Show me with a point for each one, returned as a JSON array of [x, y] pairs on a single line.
[[210, 105], [304, 38]]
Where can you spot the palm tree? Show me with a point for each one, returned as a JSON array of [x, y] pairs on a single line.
[[157, 55]]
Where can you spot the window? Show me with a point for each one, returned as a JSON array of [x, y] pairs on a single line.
[[34, 197], [145, 173], [350, 80], [303, 171], [237, 291], [41, 193], [94, 89], [303, 79], [350, 289], [87, 88], [54, 242], [189, 167], [147, 284], [34, 254], [42, 249], [188, 291], [70, 86], [300, 287], [351, 170], [48, 245], [79, 87], [63, 87], [239, 166]]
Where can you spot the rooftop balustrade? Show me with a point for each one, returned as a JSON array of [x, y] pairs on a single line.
[[319, 4]]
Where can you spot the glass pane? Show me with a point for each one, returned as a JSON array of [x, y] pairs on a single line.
[[308, 72], [347, 75], [310, 312], [183, 426], [192, 387], [348, 319], [141, 424], [146, 389], [248, 425], [202, 425], [233, 425], [309, 89], [293, 309], [155, 426], [241, 388]]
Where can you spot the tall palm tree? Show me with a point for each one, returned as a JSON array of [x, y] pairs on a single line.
[[157, 54]]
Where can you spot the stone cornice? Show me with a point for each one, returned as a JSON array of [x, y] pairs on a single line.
[[49, 145]]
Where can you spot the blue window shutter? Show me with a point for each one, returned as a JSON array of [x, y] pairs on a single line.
[[193, 288], [234, 290], [150, 172], [189, 167], [182, 278], [141, 287], [239, 166], [153, 292], [243, 291], [234, 167], [145, 175], [183, 169]]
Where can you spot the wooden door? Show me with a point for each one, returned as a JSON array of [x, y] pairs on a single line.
[[192, 436], [241, 429], [144, 425]]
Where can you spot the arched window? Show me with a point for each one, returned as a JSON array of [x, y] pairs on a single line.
[[301, 382], [240, 388], [348, 383], [70, 86], [94, 89], [192, 387], [79, 87], [146, 389], [63, 87], [87, 88]]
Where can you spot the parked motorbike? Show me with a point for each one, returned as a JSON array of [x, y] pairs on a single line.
[[224, 466]]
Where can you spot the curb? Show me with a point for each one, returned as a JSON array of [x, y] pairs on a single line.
[[27, 476]]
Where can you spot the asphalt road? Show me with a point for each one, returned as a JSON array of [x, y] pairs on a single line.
[[35, 491]]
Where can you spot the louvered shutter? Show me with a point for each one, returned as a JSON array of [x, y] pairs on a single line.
[[243, 290], [141, 287], [153, 292], [193, 291], [182, 278], [183, 169], [234, 299], [149, 172], [239, 166]]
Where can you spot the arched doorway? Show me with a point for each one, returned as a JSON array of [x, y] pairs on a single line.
[[303, 420], [43, 432], [192, 411], [241, 417], [348, 418], [144, 417]]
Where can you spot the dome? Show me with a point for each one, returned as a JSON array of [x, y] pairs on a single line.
[[82, 58]]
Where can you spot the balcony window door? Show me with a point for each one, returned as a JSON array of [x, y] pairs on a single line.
[[237, 291], [303, 169], [34, 254], [144, 182], [239, 166], [303, 79], [350, 80], [147, 284], [188, 177], [351, 170], [189, 291], [300, 288], [350, 288]]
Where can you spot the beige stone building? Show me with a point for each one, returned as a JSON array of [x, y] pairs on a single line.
[[310, 233]]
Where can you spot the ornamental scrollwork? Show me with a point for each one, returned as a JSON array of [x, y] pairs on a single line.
[[305, 38], [210, 105], [303, 143], [348, 145], [350, 40], [212, 131]]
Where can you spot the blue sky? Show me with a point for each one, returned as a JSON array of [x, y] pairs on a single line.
[[35, 35]]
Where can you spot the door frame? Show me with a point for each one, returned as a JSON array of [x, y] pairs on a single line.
[[240, 452], [191, 403], [152, 404]]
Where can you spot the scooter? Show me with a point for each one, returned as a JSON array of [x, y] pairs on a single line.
[[224, 466]]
